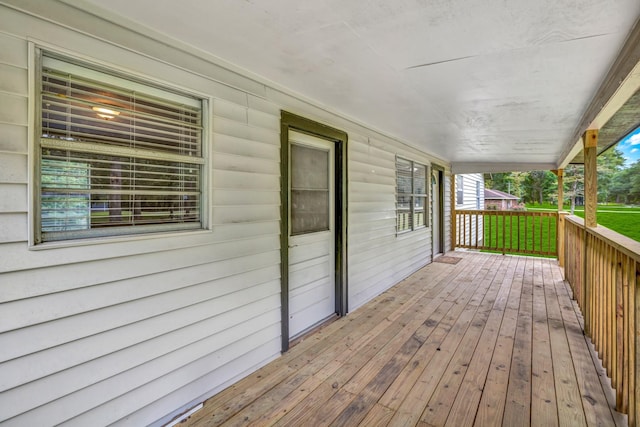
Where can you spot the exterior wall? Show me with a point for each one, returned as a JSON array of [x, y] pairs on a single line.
[[135, 330], [470, 182]]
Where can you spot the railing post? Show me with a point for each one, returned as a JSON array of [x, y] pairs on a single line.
[[586, 299]]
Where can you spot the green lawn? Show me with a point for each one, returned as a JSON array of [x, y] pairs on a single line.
[[622, 219]]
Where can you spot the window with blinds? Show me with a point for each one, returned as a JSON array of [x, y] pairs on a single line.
[[116, 156], [411, 195]]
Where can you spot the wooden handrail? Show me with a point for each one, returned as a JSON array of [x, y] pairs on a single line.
[[513, 232], [603, 270]]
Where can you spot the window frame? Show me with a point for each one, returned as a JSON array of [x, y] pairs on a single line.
[[412, 197], [124, 80]]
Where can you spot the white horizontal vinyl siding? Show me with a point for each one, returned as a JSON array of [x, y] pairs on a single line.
[[378, 257], [93, 334], [133, 331], [470, 182]]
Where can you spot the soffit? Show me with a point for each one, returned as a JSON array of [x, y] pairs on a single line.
[[471, 82]]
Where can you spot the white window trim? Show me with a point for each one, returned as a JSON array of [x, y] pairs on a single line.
[[34, 137]]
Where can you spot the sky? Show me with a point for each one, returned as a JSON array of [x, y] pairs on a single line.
[[630, 147]]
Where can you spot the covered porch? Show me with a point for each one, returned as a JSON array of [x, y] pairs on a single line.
[[475, 339]]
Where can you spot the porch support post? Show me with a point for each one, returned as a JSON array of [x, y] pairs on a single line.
[[560, 219], [452, 195], [560, 174], [590, 142]]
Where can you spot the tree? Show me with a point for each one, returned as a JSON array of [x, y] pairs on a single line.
[[574, 183], [539, 185], [610, 163]]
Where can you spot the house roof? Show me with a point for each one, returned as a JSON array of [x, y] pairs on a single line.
[[487, 86], [498, 195]]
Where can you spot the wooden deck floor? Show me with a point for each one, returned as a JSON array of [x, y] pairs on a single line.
[[490, 341]]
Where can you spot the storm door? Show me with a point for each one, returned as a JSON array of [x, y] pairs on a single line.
[[312, 232]]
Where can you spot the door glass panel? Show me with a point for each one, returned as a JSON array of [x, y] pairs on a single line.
[[309, 189]]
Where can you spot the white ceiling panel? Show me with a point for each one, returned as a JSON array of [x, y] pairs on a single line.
[[470, 81]]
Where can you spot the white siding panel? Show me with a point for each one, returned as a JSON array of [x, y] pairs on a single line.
[[240, 130], [264, 120], [196, 340], [266, 341], [244, 199], [231, 162], [13, 168], [205, 318], [14, 80], [13, 228], [31, 283], [144, 384], [14, 198], [18, 314], [234, 370], [244, 147], [230, 110], [13, 109], [14, 51], [243, 214], [13, 138], [245, 180], [261, 104]]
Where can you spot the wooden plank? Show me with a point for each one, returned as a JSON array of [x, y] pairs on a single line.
[[378, 416], [335, 403], [227, 403], [409, 411], [543, 396], [491, 408], [569, 400], [463, 411], [597, 409], [517, 411]]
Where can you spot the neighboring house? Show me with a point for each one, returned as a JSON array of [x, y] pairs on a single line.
[[142, 231], [499, 200], [470, 191], [470, 196]]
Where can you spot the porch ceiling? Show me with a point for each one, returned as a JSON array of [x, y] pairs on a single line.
[[472, 82]]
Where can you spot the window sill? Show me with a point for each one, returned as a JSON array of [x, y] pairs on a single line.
[[115, 239]]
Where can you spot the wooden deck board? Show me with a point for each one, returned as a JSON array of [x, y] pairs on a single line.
[[492, 340]]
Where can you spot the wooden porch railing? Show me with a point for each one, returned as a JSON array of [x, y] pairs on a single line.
[[603, 270], [513, 232]]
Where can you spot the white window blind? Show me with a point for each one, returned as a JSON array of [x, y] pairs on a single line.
[[411, 195], [116, 156]]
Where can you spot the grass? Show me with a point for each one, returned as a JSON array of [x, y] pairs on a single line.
[[619, 218], [536, 234]]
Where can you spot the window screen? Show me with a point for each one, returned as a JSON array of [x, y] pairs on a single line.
[[310, 191], [115, 156]]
